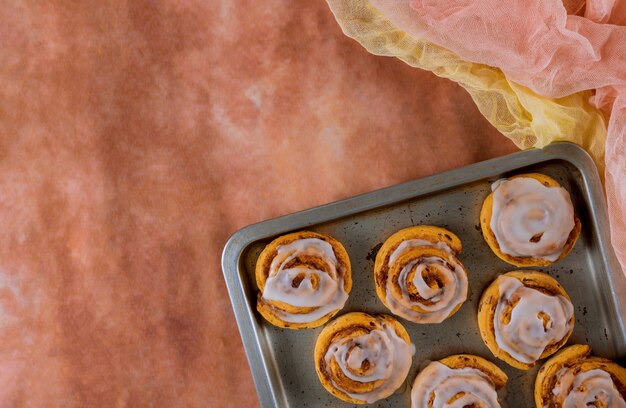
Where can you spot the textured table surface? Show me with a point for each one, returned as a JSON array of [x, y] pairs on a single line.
[[136, 136]]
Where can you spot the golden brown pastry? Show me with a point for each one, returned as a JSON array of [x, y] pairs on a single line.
[[461, 380], [529, 220], [572, 378], [304, 279], [524, 316], [418, 276], [361, 358]]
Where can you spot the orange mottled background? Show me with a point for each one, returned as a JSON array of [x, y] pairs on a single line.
[[136, 136]]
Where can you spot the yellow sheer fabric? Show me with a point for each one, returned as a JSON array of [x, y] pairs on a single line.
[[528, 119]]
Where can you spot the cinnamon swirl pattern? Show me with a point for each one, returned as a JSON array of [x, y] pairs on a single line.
[[361, 358], [573, 378], [458, 381], [528, 220], [524, 316], [418, 276], [304, 278]]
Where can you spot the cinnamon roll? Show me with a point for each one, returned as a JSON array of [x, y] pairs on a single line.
[[458, 381], [304, 279], [529, 220], [573, 378], [361, 358], [525, 316], [418, 276]]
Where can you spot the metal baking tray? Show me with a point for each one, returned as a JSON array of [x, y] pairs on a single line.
[[281, 360]]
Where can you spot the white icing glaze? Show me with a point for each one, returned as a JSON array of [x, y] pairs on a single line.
[[523, 208], [496, 184], [445, 299], [329, 294], [525, 337], [389, 358], [444, 383], [585, 388]]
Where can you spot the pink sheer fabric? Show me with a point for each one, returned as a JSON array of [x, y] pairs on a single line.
[[554, 47]]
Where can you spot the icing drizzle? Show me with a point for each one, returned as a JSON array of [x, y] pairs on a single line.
[[531, 220], [586, 388], [304, 285], [386, 356], [536, 320], [441, 300], [437, 384]]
